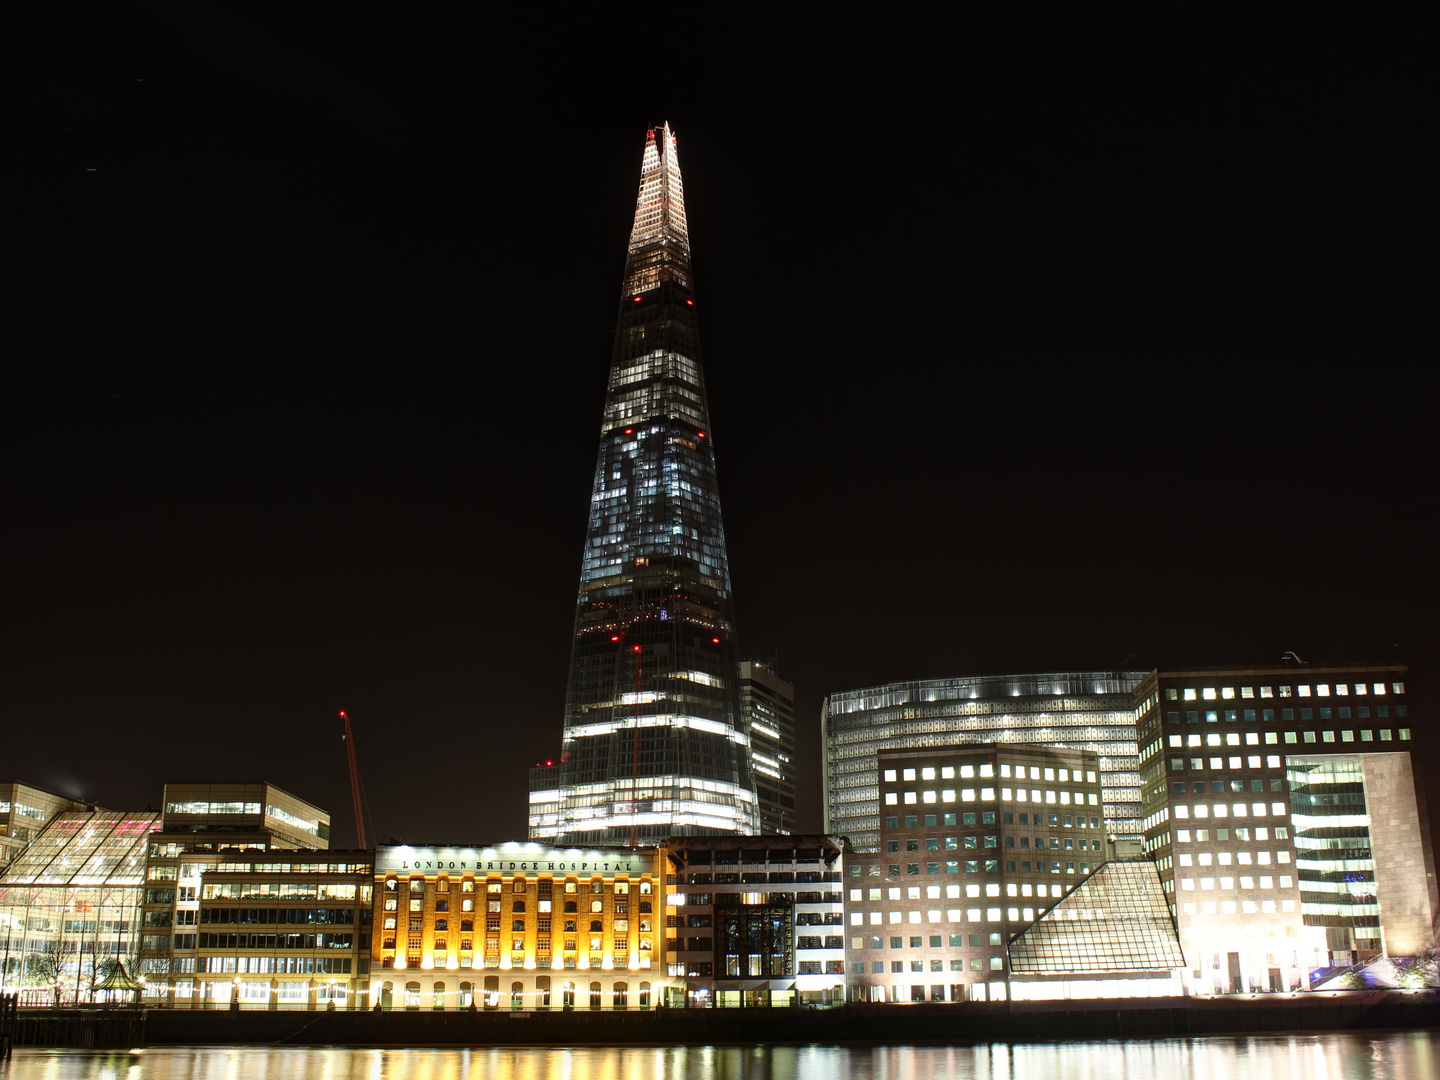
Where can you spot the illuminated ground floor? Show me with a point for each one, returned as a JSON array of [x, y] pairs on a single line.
[[516, 991]]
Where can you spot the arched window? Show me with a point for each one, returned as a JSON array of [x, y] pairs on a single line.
[[645, 908], [387, 995], [570, 907], [597, 905], [517, 996], [542, 991], [518, 905], [518, 885], [597, 886], [646, 888], [442, 884], [412, 996], [596, 925], [391, 885], [467, 995], [492, 992], [644, 995], [438, 998], [417, 884], [595, 995], [517, 926], [468, 925], [622, 888], [622, 995], [571, 887], [567, 995]]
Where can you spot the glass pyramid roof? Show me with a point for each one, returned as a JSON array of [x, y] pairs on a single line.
[[1117, 919]]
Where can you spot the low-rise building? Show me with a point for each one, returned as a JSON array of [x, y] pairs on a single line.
[[516, 926], [754, 921]]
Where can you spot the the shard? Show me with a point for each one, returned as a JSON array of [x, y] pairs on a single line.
[[654, 742]]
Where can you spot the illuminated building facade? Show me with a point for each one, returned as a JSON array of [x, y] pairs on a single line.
[[768, 705], [1080, 710], [976, 842], [1283, 812], [516, 927], [70, 904], [654, 740], [225, 828], [754, 921], [272, 929]]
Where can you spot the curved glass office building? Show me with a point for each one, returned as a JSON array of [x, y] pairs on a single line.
[[1082, 710]]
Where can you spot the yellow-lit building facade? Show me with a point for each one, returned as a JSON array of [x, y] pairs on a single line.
[[517, 927]]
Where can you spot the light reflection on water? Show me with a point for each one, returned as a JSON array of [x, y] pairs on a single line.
[[1408, 1055]]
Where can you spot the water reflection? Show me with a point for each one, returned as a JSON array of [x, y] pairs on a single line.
[[1389, 1056]]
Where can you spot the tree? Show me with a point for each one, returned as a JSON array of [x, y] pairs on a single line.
[[1422, 971], [46, 968]]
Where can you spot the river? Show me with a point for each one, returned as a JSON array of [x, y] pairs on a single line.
[[1395, 1055]]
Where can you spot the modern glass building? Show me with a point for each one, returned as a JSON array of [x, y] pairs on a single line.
[[1078, 710], [768, 704], [1112, 936], [70, 904], [655, 744]]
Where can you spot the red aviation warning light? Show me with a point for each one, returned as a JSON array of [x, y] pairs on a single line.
[[690, 302], [699, 434], [614, 637], [638, 299], [716, 640]]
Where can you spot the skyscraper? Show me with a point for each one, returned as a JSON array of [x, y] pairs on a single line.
[[654, 741]]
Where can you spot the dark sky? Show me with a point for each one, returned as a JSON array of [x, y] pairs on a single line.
[[1030, 345]]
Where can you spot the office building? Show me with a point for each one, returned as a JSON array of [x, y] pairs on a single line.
[[768, 705], [754, 921], [516, 927], [1079, 710], [976, 842], [654, 742], [224, 828], [272, 929], [1283, 812]]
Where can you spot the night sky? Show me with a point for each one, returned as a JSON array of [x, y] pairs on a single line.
[[1030, 346]]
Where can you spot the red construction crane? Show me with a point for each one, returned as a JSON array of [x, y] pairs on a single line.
[[357, 789]]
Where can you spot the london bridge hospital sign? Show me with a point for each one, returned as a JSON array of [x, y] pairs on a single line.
[[510, 858]]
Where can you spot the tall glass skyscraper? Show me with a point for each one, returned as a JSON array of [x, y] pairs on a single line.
[[654, 741]]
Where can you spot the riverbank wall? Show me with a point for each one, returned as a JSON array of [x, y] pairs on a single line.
[[921, 1023]]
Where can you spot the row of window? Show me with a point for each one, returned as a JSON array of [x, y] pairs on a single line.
[[976, 963], [1226, 693], [1212, 716], [1048, 796], [955, 915], [1236, 907], [948, 772], [987, 817], [1291, 738]]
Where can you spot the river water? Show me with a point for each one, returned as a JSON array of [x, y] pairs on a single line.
[[1403, 1055]]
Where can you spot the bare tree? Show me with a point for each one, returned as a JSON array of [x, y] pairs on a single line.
[[46, 968]]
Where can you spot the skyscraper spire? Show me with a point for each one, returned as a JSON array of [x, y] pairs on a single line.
[[654, 743]]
